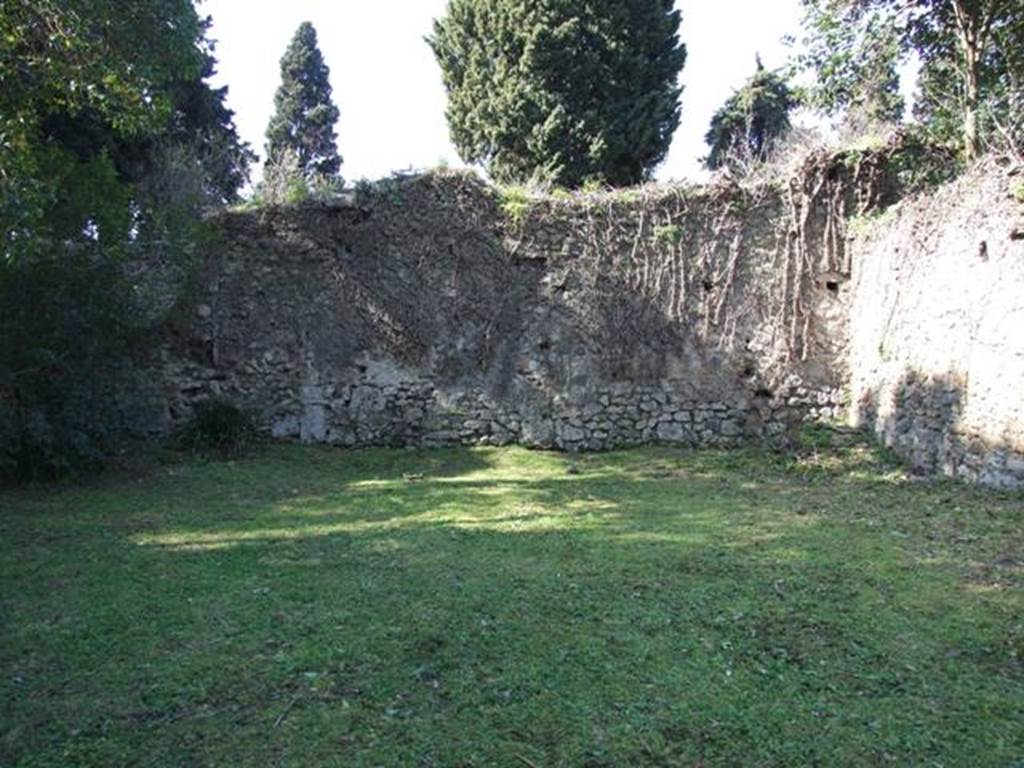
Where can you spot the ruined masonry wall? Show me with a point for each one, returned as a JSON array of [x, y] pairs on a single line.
[[424, 315], [937, 330], [427, 312]]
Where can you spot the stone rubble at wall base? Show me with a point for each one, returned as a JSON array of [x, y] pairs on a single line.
[[414, 413]]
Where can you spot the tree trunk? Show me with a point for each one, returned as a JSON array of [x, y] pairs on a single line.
[[972, 132], [974, 23]]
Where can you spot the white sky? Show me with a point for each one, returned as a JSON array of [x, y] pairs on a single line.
[[388, 86]]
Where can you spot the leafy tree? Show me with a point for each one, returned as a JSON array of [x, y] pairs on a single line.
[[752, 121], [562, 91], [305, 116], [198, 119], [76, 60], [84, 240], [969, 48], [72, 54], [943, 89], [856, 64]]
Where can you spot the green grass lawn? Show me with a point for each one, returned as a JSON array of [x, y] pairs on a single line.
[[497, 607]]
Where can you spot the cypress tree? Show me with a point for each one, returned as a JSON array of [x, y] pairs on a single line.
[[562, 91], [305, 116], [752, 120]]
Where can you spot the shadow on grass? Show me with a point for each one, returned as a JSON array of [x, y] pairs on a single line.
[[488, 607]]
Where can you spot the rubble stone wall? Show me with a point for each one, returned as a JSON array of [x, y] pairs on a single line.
[[937, 329], [426, 314], [433, 310]]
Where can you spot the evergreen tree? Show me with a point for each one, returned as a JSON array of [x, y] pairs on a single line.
[[305, 116], [562, 91], [202, 120], [752, 120]]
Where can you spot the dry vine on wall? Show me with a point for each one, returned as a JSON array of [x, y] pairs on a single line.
[[703, 264]]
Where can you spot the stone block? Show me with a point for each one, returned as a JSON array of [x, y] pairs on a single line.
[[673, 432]]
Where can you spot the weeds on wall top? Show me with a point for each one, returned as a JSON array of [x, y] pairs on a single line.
[[514, 203], [861, 226], [915, 162], [668, 235], [517, 202], [286, 183], [1018, 193]]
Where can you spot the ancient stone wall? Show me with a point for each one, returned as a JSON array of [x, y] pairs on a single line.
[[430, 311], [937, 329], [435, 310]]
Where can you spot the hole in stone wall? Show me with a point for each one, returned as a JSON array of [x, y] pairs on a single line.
[[763, 393], [983, 251], [708, 286], [531, 260], [832, 281]]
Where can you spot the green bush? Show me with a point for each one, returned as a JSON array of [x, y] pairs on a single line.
[[68, 327], [69, 432], [921, 163], [219, 427]]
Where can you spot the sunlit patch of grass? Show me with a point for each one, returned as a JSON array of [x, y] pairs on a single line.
[[504, 607]]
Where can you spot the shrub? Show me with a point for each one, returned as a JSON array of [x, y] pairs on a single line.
[[219, 427], [69, 425], [9, 443], [285, 183], [69, 325]]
